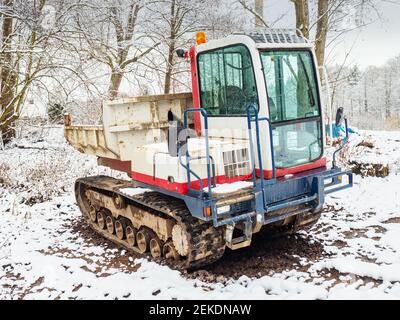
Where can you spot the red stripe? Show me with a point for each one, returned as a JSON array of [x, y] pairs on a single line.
[[195, 89], [124, 166], [223, 179], [283, 172], [182, 187]]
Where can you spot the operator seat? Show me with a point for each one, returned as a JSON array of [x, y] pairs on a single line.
[[231, 100]]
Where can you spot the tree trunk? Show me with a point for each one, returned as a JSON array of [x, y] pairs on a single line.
[[168, 74], [322, 31], [171, 50], [302, 17], [115, 83], [365, 96], [8, 76], [302, 25], [388, 94], [259, 9]]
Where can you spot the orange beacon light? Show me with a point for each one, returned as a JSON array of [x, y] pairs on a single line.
[[201, 37]]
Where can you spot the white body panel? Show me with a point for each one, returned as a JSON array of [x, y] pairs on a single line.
[[157, 163], [135, 122]]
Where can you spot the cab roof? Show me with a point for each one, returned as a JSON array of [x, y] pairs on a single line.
[[261, 38], [276, 36]]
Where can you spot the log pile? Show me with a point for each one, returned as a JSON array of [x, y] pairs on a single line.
[[360, 164], [369, 169]]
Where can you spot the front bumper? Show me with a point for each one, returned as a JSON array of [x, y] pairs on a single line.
[[275, 200]]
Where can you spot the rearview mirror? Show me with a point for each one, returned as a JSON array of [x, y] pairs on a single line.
[[181, 53], [339, 116]]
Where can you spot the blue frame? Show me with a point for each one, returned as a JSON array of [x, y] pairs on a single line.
[[268, 195]]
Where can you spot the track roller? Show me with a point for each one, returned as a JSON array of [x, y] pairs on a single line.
[[120, 227], [180, 240], [110, 223], [119, 201], [93, 215], [101, 219], [156, 246], [143, 239], [130, 232], [169, 251]]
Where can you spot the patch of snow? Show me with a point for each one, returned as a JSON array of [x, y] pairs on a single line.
[[230, 187], [134, 191], [42, 256]]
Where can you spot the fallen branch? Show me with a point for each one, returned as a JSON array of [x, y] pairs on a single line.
[[37, 148], [4, 242]]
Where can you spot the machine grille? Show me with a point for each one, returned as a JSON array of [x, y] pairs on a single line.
[[236, 163]]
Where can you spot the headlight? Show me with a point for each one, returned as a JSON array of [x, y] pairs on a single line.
[[224, 209]]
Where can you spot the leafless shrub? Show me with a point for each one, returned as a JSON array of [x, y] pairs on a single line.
[[5, 178], [51, 176], [40, 166], [86, 113]]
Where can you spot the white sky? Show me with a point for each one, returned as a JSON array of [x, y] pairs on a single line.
[[375, 43]]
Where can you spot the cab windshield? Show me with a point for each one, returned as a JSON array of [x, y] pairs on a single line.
[[293, 106], [291, 85]]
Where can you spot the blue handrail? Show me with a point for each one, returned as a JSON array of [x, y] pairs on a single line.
[[186, 166], [252, 116], [251, 143], [203, 112]]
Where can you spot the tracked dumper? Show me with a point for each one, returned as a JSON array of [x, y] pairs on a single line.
[[208, 169]]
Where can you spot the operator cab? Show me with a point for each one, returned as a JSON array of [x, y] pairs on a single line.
[[275, 71]]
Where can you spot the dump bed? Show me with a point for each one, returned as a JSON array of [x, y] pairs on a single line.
[[128, 124]]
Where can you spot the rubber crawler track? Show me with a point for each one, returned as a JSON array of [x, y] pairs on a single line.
[[206, 243]]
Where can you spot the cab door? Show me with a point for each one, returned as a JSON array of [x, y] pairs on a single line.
[[227, 87]]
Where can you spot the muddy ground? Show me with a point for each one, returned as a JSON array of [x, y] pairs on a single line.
[[266, 255]]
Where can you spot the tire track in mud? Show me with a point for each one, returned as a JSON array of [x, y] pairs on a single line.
[[267, 254]]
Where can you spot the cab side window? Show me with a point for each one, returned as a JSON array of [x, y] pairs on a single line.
[[227, 83]]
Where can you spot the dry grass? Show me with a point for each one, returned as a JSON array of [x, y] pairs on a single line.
[[392, 123]]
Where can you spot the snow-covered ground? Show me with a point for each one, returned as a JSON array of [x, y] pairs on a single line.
[[46, 252]]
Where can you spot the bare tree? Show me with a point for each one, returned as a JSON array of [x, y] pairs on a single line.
[[177, 14], [302, 17], [8, 74], [32, 49], [111, 35], [373, 94], [176, 20], [219, 22], [259, 9], [322, 18], [388, 85], [256, 11], [322, 30]]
